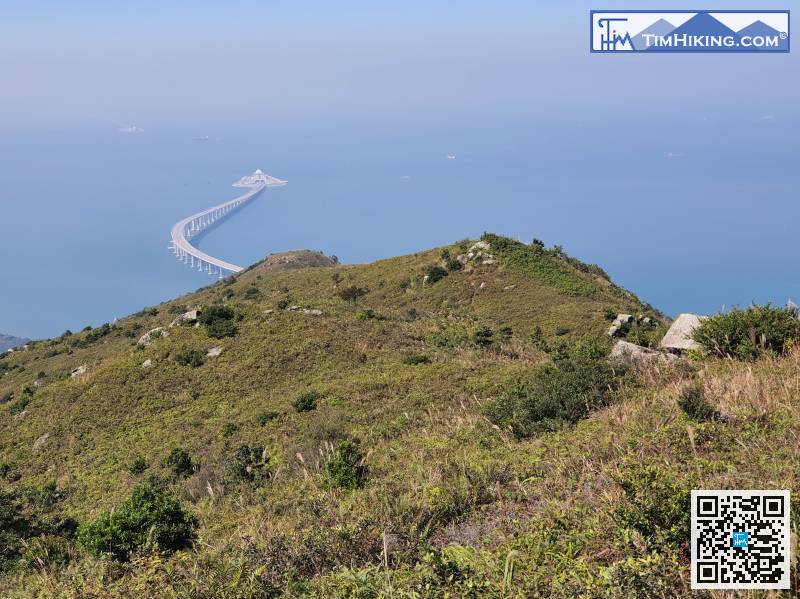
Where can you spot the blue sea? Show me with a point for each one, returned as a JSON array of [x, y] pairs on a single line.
[[695, 215]]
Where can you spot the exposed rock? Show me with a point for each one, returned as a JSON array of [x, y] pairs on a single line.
[[147, 363], [152, 335], [294, 260], [311, 311], [636, 356], [214, 352], [482, 285], [722, 416], [189, 317], [679, 335], [509, 287], [266, 312], [479, 254], [620, 325], [79, 371], [37, 445]]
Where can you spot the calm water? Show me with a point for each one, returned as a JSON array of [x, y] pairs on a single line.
[[86, 215]]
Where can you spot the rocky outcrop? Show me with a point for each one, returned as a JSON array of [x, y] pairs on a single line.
[[679, 335], [480, 255], [189, 317], [620, 325], [214, 352], [39, 443], [152, 335], [636, 356]]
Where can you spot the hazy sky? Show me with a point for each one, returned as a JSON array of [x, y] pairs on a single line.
[[66, 64], [677, 173]]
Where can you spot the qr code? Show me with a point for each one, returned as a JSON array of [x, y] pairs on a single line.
[[740, 540]]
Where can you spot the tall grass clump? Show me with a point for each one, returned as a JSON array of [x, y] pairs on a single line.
[[345, 468]]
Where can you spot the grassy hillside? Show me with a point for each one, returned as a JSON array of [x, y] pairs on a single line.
[[370, 467]]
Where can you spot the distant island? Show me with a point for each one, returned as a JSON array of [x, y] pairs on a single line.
[[9, 341]]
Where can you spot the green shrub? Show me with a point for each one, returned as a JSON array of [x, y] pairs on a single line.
[[150, 519], [434, 273], [250, 464], [228, 429], [190, 357], [564, 392], [693, 402], [283, 303], [180, 462], [218, 321], [415, 359], [451, 263], [220, 329], [266, 417], [609, 314], [505, 333], [482, 337], [366, 314], [252, 293], [305, 402], [745, 334], [538, 340], [646, 336], [137, 466], [25, 515], [18, 405], [656, 505], [351, 293], [345, 469], [15, 527]]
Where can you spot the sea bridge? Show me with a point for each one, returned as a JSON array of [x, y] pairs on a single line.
[[193, 225]]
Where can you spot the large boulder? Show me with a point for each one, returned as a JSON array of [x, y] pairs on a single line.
[[636, 356], [679, 335]]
